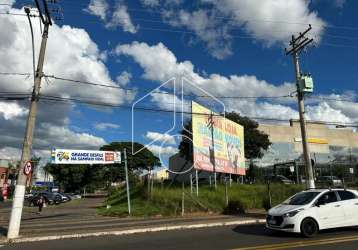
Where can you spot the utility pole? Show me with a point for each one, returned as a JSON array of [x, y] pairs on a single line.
[[18, 201], [297, 45], [127, 181], [212, 150]]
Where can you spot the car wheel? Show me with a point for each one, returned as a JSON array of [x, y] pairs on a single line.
[[309, 228]]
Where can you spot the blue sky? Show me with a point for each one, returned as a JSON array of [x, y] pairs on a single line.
[[228, 48]]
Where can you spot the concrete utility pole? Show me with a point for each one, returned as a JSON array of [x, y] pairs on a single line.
[[297, 45], [18, 201]]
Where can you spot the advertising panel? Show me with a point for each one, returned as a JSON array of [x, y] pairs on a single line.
[[226, 136], [70, 156]]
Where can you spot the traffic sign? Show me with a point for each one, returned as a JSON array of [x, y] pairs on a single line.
[[27, 168]]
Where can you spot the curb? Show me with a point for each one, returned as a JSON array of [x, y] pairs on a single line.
[[134, 231]]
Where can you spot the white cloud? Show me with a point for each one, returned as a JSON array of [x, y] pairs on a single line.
[[58, 136], [71, 54], [154, 136], [159, 150], [160, 64], [339, 3], [11, 110], [106, 126], [10, 153], [124, 78], [151, 3], [207, 28], [121, 18], [98, 8], [112, 19], [268, 21], [324, 112], [271, 21]]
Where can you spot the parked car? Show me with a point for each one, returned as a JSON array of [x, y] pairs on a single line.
[[278, 179], [50, 198], [64, 197], [328, 181], [313, 210], [74, 196]]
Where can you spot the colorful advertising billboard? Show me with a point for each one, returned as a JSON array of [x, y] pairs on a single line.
[[69, 156], [227, 138]]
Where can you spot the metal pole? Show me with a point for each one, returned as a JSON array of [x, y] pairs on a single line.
[[213, 147], [301, 110], [226, 194], [210, 180], [182, 200], [197, 182], [127, 181], [191, 183], [18, 201], [296, 169]]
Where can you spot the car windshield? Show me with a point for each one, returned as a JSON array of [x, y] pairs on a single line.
[[302, 198]]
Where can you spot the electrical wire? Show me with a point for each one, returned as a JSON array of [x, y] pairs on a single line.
[[146, 109]]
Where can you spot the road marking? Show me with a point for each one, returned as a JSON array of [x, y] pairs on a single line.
[[298, 244]]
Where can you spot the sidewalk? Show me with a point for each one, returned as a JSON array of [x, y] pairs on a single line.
[[57, 229], [79, 219]]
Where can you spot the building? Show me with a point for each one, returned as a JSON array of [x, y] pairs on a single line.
[[160, 174], [326, 144]]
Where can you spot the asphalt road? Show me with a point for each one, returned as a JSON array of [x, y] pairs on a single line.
[[241, 237]]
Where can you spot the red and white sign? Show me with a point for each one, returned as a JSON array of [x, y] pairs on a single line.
[[27, 168]]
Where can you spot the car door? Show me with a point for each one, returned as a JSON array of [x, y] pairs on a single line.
[[350, 206], [330, 212]]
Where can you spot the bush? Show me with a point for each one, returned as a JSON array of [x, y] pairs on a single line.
[[235, 207]]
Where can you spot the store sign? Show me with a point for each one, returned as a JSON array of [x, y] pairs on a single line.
[[69, 156]]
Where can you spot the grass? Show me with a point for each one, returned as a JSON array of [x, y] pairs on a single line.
[[167, 201]]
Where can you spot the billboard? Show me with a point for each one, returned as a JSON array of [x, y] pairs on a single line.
[[70, 156], [227, 137]]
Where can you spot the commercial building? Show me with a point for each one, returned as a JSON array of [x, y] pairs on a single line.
[[329, 146]]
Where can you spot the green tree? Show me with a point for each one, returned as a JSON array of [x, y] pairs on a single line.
[[255, 141], [75, 177], [138, 161]]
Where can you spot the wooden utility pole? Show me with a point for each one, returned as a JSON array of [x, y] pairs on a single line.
[[297, 45]]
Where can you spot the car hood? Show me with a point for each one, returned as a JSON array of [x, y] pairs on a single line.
[[282, 209]]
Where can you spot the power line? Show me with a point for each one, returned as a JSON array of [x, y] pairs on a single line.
[[106, 85], [165, 93], [146, 109]]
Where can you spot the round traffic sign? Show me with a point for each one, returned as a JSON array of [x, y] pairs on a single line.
[[27, 168]]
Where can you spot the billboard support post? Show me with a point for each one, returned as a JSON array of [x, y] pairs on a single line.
[[182, 200], [226, 193], [197, 182], [127, 181], [191, 183]]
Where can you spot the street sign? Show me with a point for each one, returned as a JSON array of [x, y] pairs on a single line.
[[27, 168], [351, 170], [292, 169]]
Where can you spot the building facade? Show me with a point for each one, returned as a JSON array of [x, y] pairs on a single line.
[[327, 144]]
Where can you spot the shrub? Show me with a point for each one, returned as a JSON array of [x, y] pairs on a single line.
[[235, 207]]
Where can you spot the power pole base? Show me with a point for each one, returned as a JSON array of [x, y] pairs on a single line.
[[15, 219]]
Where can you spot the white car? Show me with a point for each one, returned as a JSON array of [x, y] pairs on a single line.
[[312, 210]]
